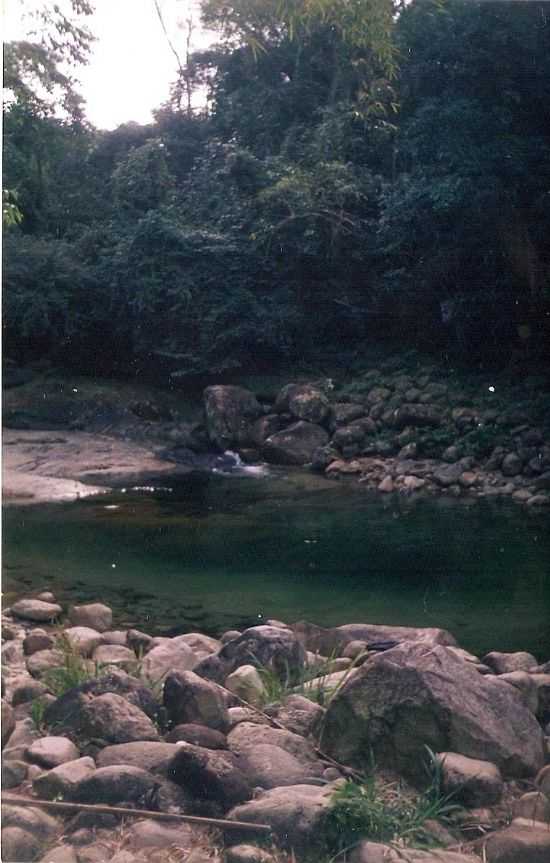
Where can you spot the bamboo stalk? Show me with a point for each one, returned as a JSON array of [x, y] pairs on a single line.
[[16, 800]]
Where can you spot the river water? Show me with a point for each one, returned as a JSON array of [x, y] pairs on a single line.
[[217, 551]]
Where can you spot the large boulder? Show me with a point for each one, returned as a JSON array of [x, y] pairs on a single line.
[[524, 841], [189, 698], [64, 713], [210, 776], [417, 415], [419, 695], [272, 757], [169, 654], [95, 615], [295, 445], [230, 411], [108, 717], [150, 755], [266, 647], [335, 639], [304, 402], [61, 781], [117, 784], [295, 813], [36, 609]]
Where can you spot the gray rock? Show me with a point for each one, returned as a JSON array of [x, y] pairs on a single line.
[[149, 755], [35, 640], [198, 735], [542, 682], [303, 402], [512, 464], [248, 854], [327, 641], [94, 615], [269, 766], [294, 445], [521, 842], [23, 735], [190, 699], [61, 781], [210, 776], [373, 852], [155, 834], [8, 722], [52, 751], [32, 820], [525, 684], [470, 780], [35, 609], [13, 773], [27, 689], [112, 718], [230, 635], [267, 647], [542, 780], [245, 714], [503, 663], [229, 413], [44, 660], [18, 845], [165, 657], [300, 715], [115, 654], [116, 785], [62, 854], [296, 814], [246, 682], [533, 806], [246, 737], [138, 641], [263, 428], [84, 639], [417, 695], [417, 415]]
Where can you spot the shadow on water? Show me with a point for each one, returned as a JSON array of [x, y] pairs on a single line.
[[215, 552]]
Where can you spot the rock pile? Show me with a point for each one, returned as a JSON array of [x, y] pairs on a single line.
[[191, 745]]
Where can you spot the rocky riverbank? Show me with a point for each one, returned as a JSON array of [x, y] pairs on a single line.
[[283, 726], [405, 427]]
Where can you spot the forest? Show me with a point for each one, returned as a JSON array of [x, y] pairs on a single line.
[[359, 172]]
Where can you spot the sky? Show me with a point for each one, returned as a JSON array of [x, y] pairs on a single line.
[[131, 67]]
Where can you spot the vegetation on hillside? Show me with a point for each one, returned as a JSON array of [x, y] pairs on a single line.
[[362, 171]]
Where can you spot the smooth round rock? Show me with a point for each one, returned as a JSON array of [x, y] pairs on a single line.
[[52, 751], [35, 609]]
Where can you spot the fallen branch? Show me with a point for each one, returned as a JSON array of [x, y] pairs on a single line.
[[224, 824]]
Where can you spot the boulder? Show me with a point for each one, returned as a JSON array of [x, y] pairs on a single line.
[[263, 428], [147, 834], [31, 819], [210, 776], [52, 751], [36, 609], [373, 852], [116, 636], [13, 773], [149, 755], [64, 713], [299, 715], [266, 647], [18, 845], [22, 736], [512, 464], [115, 785], [419, 695], [248, 854], [248, 736], [521, 842], [27, 689], [503, 663], [63, 854], [303, 402], [44, 660], [94, 615], [112, 718], [198, 735], [247, 684], [344, 413], [533, 806], [189, 698], [8, 722], [525, 684], [60, 782], [470, 780], [83, 639], [35, 640], [269, 766], [327, 641], [163, 658], [115, 654], [294, 445], [295, 813], [417, 415], [229, 412]]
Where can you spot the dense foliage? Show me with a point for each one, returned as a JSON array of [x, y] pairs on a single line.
[[363, 171]]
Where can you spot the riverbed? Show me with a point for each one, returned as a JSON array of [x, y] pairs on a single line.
[[213, 552]]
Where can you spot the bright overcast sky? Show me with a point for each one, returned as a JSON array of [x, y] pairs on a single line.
[[132, 66]]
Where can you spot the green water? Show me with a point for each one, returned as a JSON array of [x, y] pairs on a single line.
[[218, 552]]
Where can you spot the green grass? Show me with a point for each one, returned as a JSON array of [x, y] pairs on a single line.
[[383, 812], [311, 682], [73, 671]]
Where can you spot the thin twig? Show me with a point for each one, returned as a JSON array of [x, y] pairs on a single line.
[[16, 800]]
